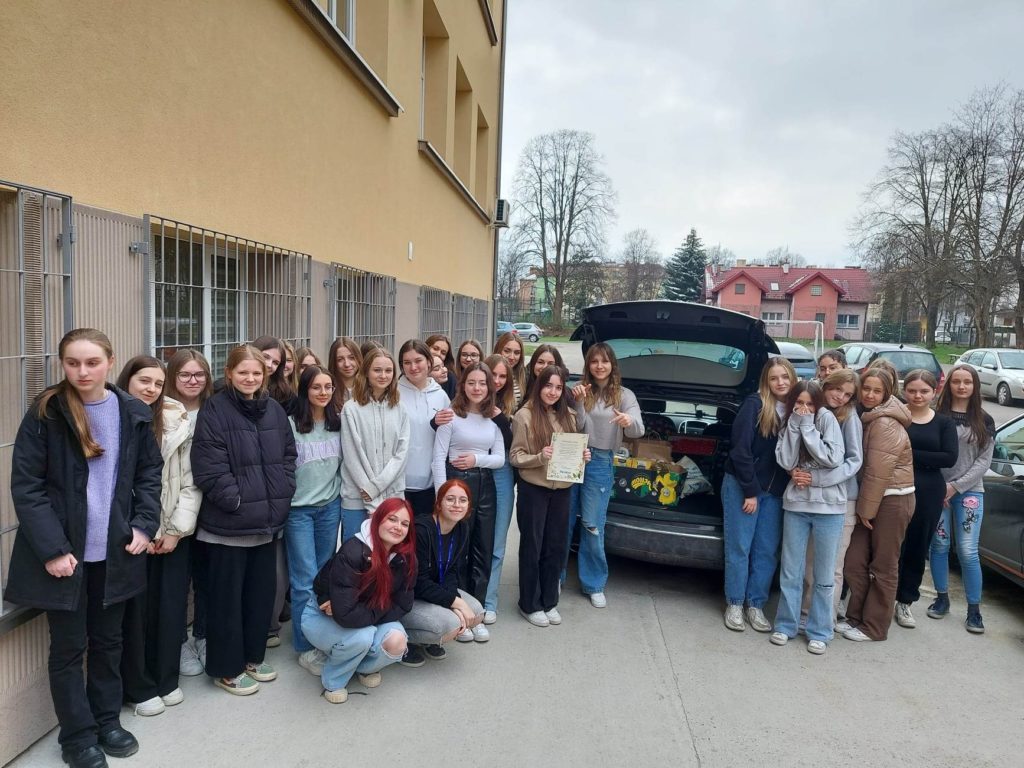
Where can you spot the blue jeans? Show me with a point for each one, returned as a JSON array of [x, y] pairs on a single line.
[[348, 650], [826, 531], [963, 515], [593, 494], [311, 537], [751, 545], [351, 521], [505, 496]]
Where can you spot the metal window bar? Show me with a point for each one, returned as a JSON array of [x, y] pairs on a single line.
[[435, 312], [481, 312], [213, 291], [37, 301], [463, 324], [364, 305]]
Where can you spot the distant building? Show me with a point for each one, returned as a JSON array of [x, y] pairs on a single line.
[[839, 298]]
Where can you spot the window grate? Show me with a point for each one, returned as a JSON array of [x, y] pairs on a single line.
[[463, 319], [481, 311], [364, 305], [37, 304], [213, 291], [435, 312]]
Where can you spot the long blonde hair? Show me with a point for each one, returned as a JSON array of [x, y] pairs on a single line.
[[79, 421], [362, 392], [611, 393], [517, 372], [768, 421], [837, 380], [505, 397]]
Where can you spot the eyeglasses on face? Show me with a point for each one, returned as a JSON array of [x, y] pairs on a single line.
[[182, 376], [470, 355]]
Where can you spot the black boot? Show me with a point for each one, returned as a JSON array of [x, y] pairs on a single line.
[[117, 742], [85, 757]]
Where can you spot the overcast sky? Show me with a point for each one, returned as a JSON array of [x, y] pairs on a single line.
[[759, 123]]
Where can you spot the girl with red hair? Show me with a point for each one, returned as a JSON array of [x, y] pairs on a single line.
[[361, 595]]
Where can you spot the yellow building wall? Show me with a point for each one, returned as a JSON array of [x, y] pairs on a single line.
[[236, 116]]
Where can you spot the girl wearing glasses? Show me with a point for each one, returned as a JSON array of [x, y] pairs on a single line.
[[311, 531], [470, 353]]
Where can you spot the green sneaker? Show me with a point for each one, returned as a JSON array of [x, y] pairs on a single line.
[[262, 672], [243, 685]]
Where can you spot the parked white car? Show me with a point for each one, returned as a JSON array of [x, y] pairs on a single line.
[[1001, 372]]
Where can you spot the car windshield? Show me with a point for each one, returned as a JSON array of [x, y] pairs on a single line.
[[905, 361], [720, 354], [1013, 359]]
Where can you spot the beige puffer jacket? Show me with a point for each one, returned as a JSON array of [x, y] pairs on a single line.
[[888, 458], [179, 497]]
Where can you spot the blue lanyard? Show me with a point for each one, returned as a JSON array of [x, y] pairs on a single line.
[[442, 567]]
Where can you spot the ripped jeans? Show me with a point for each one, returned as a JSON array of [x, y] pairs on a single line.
[[594, 495], [349, 650], [961, 520]]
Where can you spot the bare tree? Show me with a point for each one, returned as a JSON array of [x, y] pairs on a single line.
[[514, 259], [565, 200], [642, 272], [719, 257]]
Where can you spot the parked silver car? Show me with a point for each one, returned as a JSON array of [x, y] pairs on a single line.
[[529, 331], [1001, 372]]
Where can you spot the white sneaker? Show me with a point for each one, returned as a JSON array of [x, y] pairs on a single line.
[[734, 618], [201, 651], [598, 600], [842, 626], [174, 697], [465, 636], [904, 617], [856, 635], [537, 618], [490, 617], [339, 696], [757, 620], [372, 680], [188, 663], [817, 647], [480, 633], [554, 617], [778, 638], [313, 661], [150, 707]]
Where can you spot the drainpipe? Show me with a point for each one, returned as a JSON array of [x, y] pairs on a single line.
[[497, 169]]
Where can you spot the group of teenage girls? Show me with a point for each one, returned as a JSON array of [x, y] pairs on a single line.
[[857, 484], [369, 499]]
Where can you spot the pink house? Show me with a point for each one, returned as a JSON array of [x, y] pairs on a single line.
[[838, 298]]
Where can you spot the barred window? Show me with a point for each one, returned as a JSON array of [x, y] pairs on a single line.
[[463, 319], [815, 290], [37, 307], [481, 310], [364, 305], [213, 291], [435, 312]]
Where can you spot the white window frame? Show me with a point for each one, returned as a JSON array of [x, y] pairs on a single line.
[[773, 317], [847, 321]]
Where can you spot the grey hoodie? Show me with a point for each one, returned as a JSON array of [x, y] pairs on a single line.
[[421, 405], [822, 440]]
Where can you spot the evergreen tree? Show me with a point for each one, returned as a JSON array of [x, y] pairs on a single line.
[[684, 273]]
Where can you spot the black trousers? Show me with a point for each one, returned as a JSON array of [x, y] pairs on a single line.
[[422, 502], [482, 517], [198, 567], [153, 624], [543, 518], [930, 490], [241, 588], [85, 707]]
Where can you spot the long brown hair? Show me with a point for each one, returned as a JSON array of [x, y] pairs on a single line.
[[611, 393], [132, 367], [461, 403], [277, 383], [504, 398], [459, 367], [539, 422], [975, 413], [530, 377], [449, 359], [362, 392], [293, 377], [516, 372], [375, 583], [885, 378], [837, 380], [768, 421], [341, 391], [79, 421], [174, 366], [880, 363]]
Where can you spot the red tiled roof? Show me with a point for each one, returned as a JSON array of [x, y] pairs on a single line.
[[855, 283]]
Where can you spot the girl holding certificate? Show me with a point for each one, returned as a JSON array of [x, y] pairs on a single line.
[[606, 411], [542, 509]]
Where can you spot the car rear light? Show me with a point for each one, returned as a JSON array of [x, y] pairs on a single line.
[[694, 446]]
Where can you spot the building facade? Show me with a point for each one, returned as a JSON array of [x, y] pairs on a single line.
[[197, 174], [792, 301]]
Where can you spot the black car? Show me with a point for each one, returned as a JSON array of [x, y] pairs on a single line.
[[905, 358], [690, 366], [1002, 528]]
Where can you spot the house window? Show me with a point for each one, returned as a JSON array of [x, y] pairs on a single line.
[[820, 317], [469, 320], [342, 14], [847, 321], [772, 317], [741, 288], [364, 305], [775, 286], [435, 312], [815, 290], [213, 291]]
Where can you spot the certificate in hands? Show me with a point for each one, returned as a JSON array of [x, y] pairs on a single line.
[[566, 464]]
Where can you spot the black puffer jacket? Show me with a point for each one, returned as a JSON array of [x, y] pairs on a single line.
[[243, 460], [338, 581], [49, 479]]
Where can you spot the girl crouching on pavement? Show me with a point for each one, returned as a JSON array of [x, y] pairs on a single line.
[[362, 593], [441, 611], [811, 439]]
